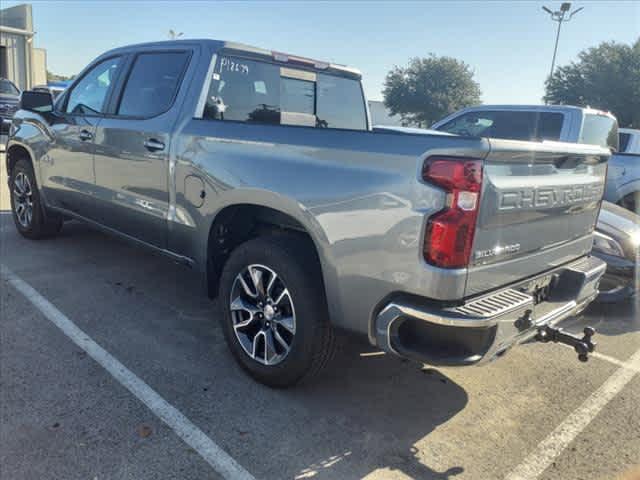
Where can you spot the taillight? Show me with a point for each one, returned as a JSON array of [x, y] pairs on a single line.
[[450, 232]]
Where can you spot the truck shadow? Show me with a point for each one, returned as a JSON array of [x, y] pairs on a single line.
[[384, 406], [368, 412], [609, 319]]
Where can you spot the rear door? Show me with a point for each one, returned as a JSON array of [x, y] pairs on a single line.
[[133, 142], [538, 208]]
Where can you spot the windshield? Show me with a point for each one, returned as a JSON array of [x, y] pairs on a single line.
[[598, 129], [8, 88]]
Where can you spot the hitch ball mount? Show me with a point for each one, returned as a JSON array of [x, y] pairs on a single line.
[[583, 346]]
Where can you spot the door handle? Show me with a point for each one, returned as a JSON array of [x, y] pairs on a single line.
[[85, 135], [153, 145]]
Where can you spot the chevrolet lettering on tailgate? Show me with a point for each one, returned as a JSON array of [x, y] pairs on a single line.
[[549, 197]]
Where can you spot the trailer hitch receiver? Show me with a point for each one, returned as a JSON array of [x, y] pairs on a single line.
[[583, 346]]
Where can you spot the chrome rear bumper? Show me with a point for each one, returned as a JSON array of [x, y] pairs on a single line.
[[487, 326]]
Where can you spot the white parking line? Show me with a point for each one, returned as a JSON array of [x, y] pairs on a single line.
[[610, 359], [552, 446], [181, 425]]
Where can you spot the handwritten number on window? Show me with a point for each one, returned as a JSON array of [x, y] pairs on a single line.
[[229, 65]]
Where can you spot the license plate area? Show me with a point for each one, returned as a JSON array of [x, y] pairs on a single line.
[[540, 288]]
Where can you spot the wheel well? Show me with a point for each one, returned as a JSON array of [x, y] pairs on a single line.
[[236, 224], [15, 153], [630, 201]]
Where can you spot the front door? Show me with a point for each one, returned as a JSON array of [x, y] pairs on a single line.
[[67, 168], [132, 147]]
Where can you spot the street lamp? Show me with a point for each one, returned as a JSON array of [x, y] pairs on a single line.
[[560, 16]]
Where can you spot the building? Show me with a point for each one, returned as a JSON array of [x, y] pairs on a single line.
[[20, 61], [380, 115]]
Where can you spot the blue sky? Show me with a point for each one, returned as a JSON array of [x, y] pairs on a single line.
[[508, 44]]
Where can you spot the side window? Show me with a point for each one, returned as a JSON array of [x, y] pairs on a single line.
[[259, 92], [600, 130], [152, 83], [472, 124], [624, 141], [89, 95], [512, 125]]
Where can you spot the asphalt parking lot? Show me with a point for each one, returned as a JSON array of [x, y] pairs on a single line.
[[536, 413]]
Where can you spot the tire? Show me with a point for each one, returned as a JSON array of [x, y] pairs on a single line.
[[28, 212], [613, 292], [631, 202], [311, 340]]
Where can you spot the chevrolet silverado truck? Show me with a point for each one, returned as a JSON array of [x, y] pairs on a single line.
[[260, 171]]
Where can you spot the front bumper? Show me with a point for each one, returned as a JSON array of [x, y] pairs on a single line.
[[5, 127], [484, 327]]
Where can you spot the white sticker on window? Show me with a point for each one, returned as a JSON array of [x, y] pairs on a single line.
[[229, 65]]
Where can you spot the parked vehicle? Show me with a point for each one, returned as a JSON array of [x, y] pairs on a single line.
[[260, 171], [9, 98], [54, 88], [623, 180], [629, 140], [617, 242], [559, 123]]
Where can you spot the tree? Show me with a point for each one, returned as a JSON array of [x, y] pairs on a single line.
[[429, 89], [606, 77]]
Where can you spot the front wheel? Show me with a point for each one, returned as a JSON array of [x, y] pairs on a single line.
[[28, 211], [275, 316]]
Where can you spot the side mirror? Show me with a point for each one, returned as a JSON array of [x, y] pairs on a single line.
[[34, 101]]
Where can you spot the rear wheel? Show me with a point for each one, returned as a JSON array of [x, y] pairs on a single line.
[[28, 211], [275, 317]]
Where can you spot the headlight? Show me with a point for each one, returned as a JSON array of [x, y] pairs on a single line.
[[605, 244]]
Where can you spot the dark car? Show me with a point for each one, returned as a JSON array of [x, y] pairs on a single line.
[[617, 242], [9, 100], [54, 88]]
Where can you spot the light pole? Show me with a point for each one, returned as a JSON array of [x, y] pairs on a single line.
[[560, 16]]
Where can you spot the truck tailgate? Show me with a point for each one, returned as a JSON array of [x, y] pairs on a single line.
[[538, 208]]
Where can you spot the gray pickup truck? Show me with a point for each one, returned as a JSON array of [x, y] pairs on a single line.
[[260, 170]]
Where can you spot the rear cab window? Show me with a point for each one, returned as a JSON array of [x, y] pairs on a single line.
[[510, 125], [598, 129], [259, 91]]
